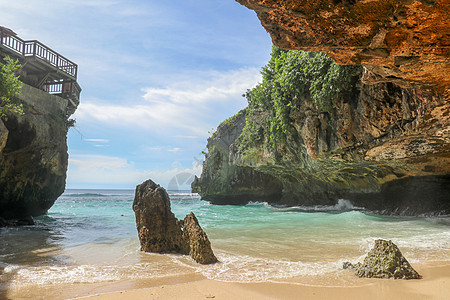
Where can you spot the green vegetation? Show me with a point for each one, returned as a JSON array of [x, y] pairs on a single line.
[[10, 87], [289, 80], [225, 124]]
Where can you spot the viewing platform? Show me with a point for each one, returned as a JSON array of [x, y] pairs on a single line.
[[41, 67]]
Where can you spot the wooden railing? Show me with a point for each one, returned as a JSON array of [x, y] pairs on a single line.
[[65, 88], [38, 50]]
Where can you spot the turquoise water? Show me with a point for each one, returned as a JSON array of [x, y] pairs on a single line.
[[89, 236]]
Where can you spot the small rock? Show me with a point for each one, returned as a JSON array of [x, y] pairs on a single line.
[[200, 247], [384, 261]]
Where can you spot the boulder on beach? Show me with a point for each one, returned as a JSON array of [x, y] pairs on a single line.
[[200, 247], [160, 232], [384, 261], [157, 226]]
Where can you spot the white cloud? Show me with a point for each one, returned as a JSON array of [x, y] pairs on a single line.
[[218, 87], [185, 107], [175, 150], [96, 140], [108, 170]]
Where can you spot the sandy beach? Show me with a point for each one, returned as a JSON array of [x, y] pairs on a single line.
[[434, 285]]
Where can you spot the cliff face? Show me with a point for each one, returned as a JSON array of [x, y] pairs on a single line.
[[402, 41], [33, 154], [224, 180], [385, 148], [385, 145]]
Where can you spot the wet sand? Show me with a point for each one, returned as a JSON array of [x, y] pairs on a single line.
[[342, 285], [434, 285]]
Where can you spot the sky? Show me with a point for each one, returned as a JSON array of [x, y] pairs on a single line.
[[158, 77]]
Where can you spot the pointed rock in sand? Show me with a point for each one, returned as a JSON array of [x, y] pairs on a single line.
[[384, 261], [200, 247]]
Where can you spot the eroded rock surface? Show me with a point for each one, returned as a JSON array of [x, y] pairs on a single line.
[[402, 41], [387, 149], [224, 180], [384, 261], [158, 229], [33, 155], [200, 247], [160, 232]]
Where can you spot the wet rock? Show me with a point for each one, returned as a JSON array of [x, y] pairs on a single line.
[[200, 247], [20, 222], [384, 261], [160, 232]]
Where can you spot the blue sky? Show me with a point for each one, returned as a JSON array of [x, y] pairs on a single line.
[[157, 77]]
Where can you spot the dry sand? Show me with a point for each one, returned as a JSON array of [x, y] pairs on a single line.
[[434, 285]]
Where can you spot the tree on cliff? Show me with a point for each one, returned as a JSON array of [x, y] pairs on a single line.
[[10, 87], [289, 80]]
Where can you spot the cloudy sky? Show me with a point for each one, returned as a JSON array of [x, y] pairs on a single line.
[[157, 77]]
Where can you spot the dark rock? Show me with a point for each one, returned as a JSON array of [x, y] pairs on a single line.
[[200, 247], [157, 227], [3, 222], [384, 261], [3, 136], [20, 222], [159, 231], [33, 155]]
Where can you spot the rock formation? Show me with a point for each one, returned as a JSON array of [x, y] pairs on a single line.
[[159, 231], [33, 154], [402, 41], [200, 247], [386, 146], [388, 152], [384, 261], [223, 180]]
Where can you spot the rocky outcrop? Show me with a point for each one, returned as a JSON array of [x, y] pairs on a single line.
[[158, 229], [386, 143], [384, 261], [224, 180], [401, 41], [33, 154], [385, 148], [160, 232], [199, 245]]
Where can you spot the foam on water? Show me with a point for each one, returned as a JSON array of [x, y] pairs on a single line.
[[243, 268], [90, 236]]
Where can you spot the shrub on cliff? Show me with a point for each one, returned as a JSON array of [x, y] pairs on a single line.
[[10, 87], [289, 79]]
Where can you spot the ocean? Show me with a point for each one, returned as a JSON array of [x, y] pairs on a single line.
[[89, 237]]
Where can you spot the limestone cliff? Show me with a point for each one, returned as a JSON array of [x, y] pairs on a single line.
[[402, 41], [33, 154], [385, 144], [224, 180], [382, 146]]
